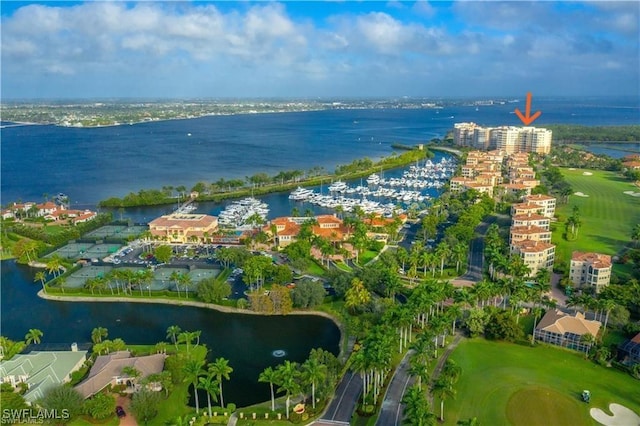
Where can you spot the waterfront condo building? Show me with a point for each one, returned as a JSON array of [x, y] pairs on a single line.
[[508, 139], [536, 255], [590, 270], [530, 219], [183, 228], [547, 203]]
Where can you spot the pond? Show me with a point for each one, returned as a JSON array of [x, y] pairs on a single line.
[[250, 342]]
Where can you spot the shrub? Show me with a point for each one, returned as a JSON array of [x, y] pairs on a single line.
[[231, 407]]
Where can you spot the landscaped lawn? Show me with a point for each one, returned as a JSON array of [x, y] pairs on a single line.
[[503, 383], [607, 214]]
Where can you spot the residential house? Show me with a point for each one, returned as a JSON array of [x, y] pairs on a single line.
[[107, 370], [566, 330], [590, 270], [629, 351], [41, 370]]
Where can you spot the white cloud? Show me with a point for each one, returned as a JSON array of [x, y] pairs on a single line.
[[260, 46]]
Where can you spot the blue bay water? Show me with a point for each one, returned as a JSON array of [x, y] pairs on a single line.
[[93, 164], [96, 163]]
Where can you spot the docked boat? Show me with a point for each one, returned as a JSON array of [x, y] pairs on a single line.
[[338, 186], [374, 179], [300, 194], [247, 211]]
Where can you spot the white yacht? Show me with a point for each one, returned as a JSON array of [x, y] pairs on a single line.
[[301, 194], [374, 179], [338, 186]]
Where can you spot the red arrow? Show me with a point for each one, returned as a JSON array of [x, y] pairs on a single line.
[[527, 118]]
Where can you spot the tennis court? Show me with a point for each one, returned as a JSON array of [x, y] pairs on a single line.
[[99, 251], [78, 278], [162, 278], [71, 251], [115, 231]]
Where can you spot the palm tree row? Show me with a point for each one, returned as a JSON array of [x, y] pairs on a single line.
[[209, 379]]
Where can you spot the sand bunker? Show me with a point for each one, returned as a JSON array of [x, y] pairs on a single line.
[[587, 173], [622, 416], [572, 168], [633, 194], [580, 194]]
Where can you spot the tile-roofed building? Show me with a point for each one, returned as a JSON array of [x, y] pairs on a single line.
[[562, 329], [530, 219], [546, 201], [183, 228], [630, 350], [107, 369], [590, 270], [41, 370], [530, 232], [526, 208], [46, 208], [529, 183], [331, 228], [633, 165], [286, 228], [515, 189], [536, 255]]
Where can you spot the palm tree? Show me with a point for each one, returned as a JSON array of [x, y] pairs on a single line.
[[131, 372], [287, 377], [173, 332], [99, 333], [210, 386], [635, 234], [269, 375], [443, 390], [221, 369], [313, 371], [53, 265], [41, 276], [416, 408], [187, 337], [587, 339], [192, 371], [33, 336], [442, 253], [607, 305]]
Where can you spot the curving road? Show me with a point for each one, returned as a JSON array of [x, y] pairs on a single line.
[[475, 266], [391, 412]]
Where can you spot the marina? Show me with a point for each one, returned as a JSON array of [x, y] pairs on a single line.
[[244, 213], [384, 196]]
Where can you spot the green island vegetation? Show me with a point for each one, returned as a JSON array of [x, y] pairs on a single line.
[[262, 183], [470, 350], [571, 133]]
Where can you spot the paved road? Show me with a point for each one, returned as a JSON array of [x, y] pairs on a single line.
[[475, 265], [391, 412], [344, 402], [443, 359]]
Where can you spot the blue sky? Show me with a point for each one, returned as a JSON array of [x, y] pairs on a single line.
[[318, 49]]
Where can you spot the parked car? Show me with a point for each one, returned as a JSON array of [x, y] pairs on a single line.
[[120, 411]]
